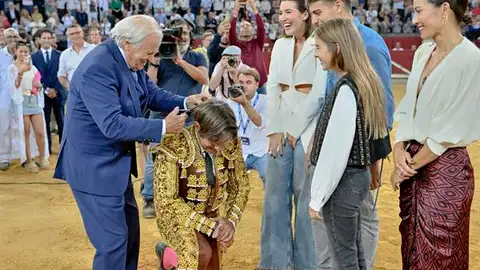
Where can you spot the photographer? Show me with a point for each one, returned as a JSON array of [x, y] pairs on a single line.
[[250, 109], [226, 72], [184, 75]]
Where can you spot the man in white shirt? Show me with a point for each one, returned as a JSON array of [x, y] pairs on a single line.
[[250, 109], [7, 147], [71, 57], [226, 71]]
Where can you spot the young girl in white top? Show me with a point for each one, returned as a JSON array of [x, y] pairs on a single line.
[[27, 88], [348, 138]]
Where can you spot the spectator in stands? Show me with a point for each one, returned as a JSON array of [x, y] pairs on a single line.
[[408, 27], [106, 26], [218, 44], [375, 25], [36, 25], [398, 46], [4, 20], [250, 110], [379, 55], [266, 8], [160, 17], [251, 47], [201, 20], [67, 19], [71, 57], [397, 25], [211, 23], [94, 36], [189, 15], [207, 38], [47, 61], [12, 13], [82, 17], [226, 72], [185, 75]]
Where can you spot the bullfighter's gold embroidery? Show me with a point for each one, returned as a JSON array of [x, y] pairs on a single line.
[[184, 201]]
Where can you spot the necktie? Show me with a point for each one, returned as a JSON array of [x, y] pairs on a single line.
[[47, 56], [209, 169], [134, 74]]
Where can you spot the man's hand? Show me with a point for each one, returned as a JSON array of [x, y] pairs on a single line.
[[242, 99], [226, 232], [195, 100], [224, 62], [275, 144], [314, 214], [52, 93], [224, 28], [174, 121]]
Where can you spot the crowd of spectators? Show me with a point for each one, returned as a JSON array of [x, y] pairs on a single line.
[[27, 16]]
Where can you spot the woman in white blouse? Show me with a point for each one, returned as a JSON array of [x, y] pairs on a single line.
[[294, 74], [27, 90], [438, 117], [345, 142]]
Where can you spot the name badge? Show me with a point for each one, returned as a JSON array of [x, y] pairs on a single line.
[[245, 141]]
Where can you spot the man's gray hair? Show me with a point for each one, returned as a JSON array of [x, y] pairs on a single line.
[[135, 29], [10, 30]]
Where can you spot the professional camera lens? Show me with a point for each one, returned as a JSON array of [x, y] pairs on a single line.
[[232, 61]]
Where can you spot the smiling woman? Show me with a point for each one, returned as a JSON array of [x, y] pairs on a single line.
[[294, 75], [437, 119]]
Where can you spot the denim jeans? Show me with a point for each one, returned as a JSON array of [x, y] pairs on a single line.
[[258, 164], [147, 191], [370, 234], [280, 249], [342, 219]]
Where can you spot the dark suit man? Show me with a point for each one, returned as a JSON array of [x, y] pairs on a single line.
[[47, 60], [108, 92], [12, 13]]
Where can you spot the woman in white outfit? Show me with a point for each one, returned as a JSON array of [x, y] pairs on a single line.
[[294, 75]]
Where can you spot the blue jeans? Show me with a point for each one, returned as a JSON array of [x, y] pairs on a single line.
[[286, 177], [147, 191], [258, 164]]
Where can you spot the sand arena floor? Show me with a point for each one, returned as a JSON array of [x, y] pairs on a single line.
[[41, 228]]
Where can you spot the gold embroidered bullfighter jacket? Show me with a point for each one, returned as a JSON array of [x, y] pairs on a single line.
[[185, 202]]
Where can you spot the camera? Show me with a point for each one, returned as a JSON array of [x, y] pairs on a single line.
[[235, 90], [168, 47], [232, 61]]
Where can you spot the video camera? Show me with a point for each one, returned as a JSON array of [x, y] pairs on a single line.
[[235, 90], [168, 47]]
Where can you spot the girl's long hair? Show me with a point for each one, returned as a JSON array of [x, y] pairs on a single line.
[[352, 58]]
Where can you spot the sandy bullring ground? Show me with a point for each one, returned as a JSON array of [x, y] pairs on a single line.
[[41, 228]]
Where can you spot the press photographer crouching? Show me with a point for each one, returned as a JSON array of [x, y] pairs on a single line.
[[226, 72], [181, 71], [250, 109]]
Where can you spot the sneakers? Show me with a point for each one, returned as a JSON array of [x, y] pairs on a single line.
[[149, 209], [4, 166], [31, 167], [44, 164]]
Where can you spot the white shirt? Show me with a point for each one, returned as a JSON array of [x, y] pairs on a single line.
[[257, 136], [336, 147], [164, 123], [446, 112], [70, 59], [44, 53]]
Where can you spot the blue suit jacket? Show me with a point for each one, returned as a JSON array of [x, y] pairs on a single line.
[[49, 72], [104, 120]]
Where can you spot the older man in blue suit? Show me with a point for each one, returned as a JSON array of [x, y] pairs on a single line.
[[108, 92]]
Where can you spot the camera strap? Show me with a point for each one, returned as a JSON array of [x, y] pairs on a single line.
[[240, 115]]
